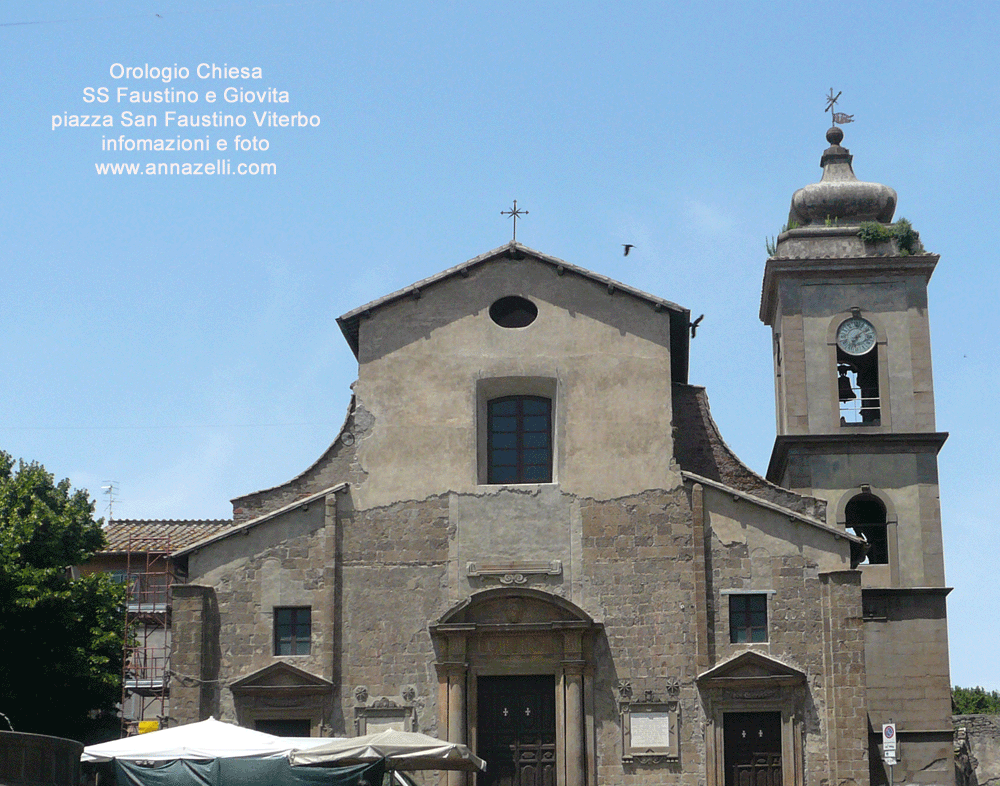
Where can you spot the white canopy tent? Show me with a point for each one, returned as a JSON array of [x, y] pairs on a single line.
[[207, 739], [402, 750]]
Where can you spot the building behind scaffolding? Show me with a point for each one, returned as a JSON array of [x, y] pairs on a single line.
[[138, 555]]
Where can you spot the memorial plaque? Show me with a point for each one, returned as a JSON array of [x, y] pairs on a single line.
[[650, 730]]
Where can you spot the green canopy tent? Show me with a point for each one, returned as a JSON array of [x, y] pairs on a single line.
[[245, 772]]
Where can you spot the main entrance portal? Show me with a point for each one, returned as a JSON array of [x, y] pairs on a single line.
[[516, 730], [753, 748]]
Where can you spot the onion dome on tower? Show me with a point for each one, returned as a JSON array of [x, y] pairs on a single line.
[[839, 196]]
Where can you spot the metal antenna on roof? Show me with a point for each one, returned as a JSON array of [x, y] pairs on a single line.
[[514, 213], [110, 489]]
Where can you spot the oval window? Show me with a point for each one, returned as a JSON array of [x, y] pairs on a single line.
[[513, 312]]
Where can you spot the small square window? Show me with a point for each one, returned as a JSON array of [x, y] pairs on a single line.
[[747, 618], [292, 630]]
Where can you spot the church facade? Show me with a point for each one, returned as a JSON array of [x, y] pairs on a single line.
[[530, 537]]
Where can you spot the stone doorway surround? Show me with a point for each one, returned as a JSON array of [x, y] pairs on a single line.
[[282, 692], [753, 682], [520, 631]]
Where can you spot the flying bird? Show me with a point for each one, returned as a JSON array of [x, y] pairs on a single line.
[[694, 325], [628, 247]]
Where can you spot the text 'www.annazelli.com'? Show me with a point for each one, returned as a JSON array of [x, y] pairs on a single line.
[[221, 166]]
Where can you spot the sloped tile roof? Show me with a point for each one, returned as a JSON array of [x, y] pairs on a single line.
[[159, 534]]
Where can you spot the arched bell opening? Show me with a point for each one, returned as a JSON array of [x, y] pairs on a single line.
[[866, 515], [858, 388]]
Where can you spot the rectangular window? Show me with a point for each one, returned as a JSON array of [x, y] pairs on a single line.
[[519, 433], [292, 630], [747, 618]]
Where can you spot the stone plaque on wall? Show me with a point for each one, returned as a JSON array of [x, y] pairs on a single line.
[[651, 729], [649, 732], [383, 714]]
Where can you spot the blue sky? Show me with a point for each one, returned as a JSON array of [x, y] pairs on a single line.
[[177, 334]]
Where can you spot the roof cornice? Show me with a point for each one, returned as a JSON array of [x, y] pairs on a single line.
[[911, 442], [777, 268]]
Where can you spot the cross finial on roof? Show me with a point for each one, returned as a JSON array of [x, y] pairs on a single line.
[[515, 214]]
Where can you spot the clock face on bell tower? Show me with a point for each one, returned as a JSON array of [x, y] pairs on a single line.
[[856, 336]]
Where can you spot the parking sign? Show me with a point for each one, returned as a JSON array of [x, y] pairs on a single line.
[[889, 742]]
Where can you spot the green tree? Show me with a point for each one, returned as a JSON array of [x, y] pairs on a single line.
[[974, 701], [60, 637]]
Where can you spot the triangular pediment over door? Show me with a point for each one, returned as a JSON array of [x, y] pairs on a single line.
[[749, 670], [281, 678], [284, 694]]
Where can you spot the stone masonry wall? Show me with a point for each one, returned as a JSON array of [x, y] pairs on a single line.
[[379, 577], [845, 677], [977, 750], [639, 562], [814, 625], [394, 562], [287, 561], [194, 660]]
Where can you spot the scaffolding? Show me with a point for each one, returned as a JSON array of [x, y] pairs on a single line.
[[148, 577]]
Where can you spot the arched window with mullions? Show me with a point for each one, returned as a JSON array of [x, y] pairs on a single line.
[[519, 440]]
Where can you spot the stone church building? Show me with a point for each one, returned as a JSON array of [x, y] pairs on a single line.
[[529, 535]]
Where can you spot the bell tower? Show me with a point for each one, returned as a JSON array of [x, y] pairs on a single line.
[[845, 296]]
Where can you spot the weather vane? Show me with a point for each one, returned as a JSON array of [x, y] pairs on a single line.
[[831, 105], [514, 213]]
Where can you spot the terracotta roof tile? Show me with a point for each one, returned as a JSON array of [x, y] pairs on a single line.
[[159, 534]]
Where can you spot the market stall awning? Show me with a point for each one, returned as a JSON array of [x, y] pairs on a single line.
[[207, 739], [402, 750]]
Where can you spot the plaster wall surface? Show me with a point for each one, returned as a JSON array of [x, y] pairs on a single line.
[[908, 682], [909, 480], [740, 521], [516, 526], [423, 362], [898, 310], [907, 654]]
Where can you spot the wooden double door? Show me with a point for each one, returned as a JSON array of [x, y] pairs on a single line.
[[753, 748], [516, 730]]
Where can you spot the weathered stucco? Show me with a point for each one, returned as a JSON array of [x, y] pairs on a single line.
[[606, 354]]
